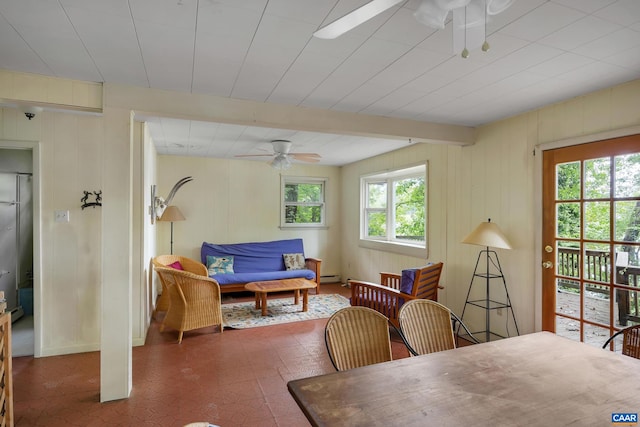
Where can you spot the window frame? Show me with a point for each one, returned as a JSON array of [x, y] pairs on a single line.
[[389, 243], [284, 181]]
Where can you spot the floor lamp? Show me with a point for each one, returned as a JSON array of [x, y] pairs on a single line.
[[172, 214], [489, 235]]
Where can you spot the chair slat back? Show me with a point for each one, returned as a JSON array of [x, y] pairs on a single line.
[[631, 342], [357, 336], [426, 282], [426, 326]]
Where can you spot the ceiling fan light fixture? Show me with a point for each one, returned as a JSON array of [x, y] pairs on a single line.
[[495, 7], [452, 4], [475, 14], [431, 14], [281, 162]]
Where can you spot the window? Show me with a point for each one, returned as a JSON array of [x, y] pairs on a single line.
[[303, 202], [394, 210]]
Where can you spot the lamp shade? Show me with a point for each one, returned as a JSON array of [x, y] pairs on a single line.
[[488, 234], [172, 213]]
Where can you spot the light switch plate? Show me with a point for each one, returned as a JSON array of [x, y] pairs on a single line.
[[62, 216]]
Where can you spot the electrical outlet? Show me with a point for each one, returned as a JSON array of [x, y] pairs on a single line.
[[61, 216]]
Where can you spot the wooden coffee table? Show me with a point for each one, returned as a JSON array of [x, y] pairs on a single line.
[[296, 285]]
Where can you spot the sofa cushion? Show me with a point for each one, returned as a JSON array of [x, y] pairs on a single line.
[[226, 279], [254, 257], [219, 264], [294, 261]]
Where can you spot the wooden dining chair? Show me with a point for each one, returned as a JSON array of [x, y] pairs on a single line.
[[630, 341], [179, 262], [195, 301], [357, 336]]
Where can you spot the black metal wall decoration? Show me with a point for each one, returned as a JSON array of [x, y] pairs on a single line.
[[87, 194]]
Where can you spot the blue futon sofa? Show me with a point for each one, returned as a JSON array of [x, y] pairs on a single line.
[[233, 265]]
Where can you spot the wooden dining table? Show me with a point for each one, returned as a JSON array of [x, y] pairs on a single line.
[[538, 379]]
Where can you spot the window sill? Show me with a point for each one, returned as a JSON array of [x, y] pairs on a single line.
[[395, 247]]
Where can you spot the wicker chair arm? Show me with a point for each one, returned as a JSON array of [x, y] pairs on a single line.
[[195, 267]]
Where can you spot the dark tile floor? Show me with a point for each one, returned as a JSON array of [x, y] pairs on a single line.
[[237, 378]]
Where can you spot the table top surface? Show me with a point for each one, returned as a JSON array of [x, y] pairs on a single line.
[[280, 285], [536, 379]]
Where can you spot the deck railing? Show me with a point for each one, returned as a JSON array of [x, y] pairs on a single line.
[[597, 268]]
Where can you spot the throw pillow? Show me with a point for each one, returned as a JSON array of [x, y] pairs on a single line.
[[294, 261], [407, 279], [176, 265], [219, 265]]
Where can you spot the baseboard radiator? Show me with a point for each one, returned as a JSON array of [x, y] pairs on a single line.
[[335, 278]]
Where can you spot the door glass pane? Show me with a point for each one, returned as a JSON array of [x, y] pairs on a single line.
[[568, 262], [596, 303], [628, 274], [568, 181], [627, 175], [568, 220], [568, 297], [596, 262], [628, 265], [596, 221], [597, 178], [627, 308], [627, 221], [568, 328], [595, 335]]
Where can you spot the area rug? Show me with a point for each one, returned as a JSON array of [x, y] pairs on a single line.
[[242, 315]]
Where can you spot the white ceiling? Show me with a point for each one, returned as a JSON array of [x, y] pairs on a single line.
[[262, 50]]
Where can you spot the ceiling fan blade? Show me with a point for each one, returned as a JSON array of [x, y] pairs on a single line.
[[303, 158], [355, 18], [306, 154]]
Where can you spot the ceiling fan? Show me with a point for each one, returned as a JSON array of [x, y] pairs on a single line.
[[433, 13], [282, 155]]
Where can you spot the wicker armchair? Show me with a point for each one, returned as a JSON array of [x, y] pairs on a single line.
[[357, 336], [630, 341], [195, 301], [396, 289], [188, 264]]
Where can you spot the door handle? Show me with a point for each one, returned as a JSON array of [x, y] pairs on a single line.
[[547, 264]]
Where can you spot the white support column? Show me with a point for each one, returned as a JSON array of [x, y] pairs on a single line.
[[115, 340]]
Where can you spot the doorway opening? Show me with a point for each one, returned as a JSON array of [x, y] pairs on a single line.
[[16, 245]]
